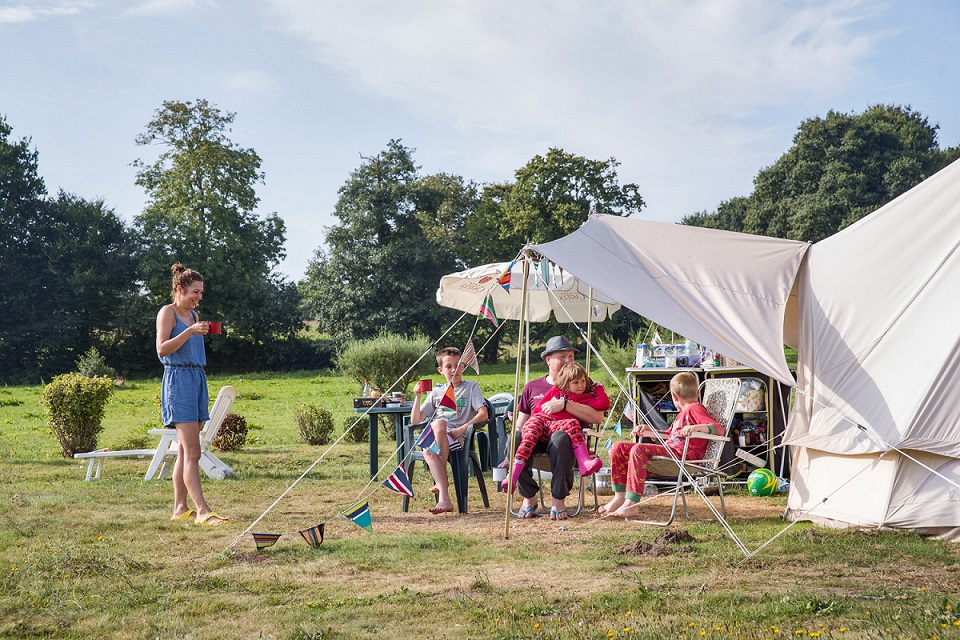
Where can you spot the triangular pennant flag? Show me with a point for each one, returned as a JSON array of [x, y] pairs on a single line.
[[608, 444], [545, 272], [399, 481], [264, 540], [449, 398], [426, 438], [504, 279], [618, 429], [469, 357], [359, 514], [630, 412], [313, 535], [488, 312]]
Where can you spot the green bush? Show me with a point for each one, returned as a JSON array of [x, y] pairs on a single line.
[[315, 422], [384, 360], [92, 364], [356, 433], [232, 434], [75, 405]]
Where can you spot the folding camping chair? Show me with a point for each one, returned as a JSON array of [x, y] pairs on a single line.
[[540, 464], [720, 397]]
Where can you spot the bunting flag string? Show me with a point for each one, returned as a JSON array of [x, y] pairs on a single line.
[[608, 444], [504, 279], [469, 357], [488, 312], [359, 514], [264, 540], [313, 535], [399, 481], [618, 429]]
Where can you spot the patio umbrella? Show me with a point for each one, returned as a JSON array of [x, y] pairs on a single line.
[[550, 292]]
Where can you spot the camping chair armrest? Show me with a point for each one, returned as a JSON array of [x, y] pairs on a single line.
[[590, 432], [707, 436]]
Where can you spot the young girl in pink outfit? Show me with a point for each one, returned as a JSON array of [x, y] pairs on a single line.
[[572, 384]]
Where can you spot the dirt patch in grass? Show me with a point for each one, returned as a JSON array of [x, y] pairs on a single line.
[[667, 543]]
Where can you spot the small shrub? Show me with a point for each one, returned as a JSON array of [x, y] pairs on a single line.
[[138, 439], [75, 405], [233, 433], [92, 364], [384, 361], [315, 422], [356, 433]]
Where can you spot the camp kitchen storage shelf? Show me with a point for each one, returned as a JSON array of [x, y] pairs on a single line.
[[758, 424]]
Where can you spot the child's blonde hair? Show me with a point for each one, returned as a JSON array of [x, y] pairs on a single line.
[[570, 373], [686, 386]]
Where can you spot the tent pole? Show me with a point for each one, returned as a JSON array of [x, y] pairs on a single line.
[[516, 401]]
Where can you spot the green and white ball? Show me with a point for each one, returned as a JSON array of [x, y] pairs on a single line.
[[762, 482]]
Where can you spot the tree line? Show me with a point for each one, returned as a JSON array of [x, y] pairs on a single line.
[[75, 275]]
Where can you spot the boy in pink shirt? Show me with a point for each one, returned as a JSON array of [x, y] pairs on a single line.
[[628, 460]]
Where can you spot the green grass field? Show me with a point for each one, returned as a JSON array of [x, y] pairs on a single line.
[[103, 560]]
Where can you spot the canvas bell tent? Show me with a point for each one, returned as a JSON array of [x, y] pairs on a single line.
[[874, 312]]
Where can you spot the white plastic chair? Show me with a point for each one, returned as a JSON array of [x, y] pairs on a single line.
[[164, 455]]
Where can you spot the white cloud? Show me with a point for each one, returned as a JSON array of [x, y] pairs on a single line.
[[250, 82], [663, 86], [19, 14], [166, 7]]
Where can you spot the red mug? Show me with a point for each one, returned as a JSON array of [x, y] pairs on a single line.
[[425, 385], [216, 328]]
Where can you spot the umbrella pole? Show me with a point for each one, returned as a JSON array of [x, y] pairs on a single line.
[[589, 328], [516, 403]]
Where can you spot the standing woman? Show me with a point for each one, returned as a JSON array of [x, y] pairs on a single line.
[[183, 393]]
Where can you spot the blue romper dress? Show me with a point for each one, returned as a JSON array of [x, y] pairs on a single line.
[[183, 392]]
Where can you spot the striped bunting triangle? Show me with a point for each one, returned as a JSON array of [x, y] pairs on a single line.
[[359, 514], [400, 482], [264, 540], [313, 535]]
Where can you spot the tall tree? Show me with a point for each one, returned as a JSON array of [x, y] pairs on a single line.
[[839, 169], [384, 258], [201, 211], [554, 194], [66, 262], [24, 233]]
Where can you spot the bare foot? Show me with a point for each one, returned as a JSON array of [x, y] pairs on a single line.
[[442, 507], [611, 506], [434, 489], [628, 510]]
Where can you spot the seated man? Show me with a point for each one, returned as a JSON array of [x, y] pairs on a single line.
[[449, 425], [559, 447]]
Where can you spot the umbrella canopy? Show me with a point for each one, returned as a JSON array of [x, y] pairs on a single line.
[[550, 291]]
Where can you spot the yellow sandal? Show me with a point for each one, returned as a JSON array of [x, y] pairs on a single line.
[[220, 519]]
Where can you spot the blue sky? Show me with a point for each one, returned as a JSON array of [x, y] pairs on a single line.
[[692, 97]]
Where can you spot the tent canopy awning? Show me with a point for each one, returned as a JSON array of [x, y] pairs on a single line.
[[728, 291]]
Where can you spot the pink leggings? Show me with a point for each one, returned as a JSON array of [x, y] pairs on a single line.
[[628, 466], [539, 427]]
